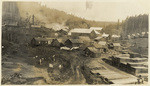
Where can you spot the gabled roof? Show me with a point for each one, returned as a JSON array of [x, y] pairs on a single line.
[[102, 42], [93, 49], [116, 44], [61, 40], [96, 28], [76, 40]]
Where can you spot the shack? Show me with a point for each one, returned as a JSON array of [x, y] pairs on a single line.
[[101, 48], [41, 41], [73, 43], [59, 42], [92, 52]]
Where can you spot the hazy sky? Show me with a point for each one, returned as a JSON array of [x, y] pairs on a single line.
[[102, 10]]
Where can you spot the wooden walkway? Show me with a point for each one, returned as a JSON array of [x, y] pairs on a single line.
[[113, 74]]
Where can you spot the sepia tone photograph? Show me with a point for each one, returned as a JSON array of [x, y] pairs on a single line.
[[74, 42]]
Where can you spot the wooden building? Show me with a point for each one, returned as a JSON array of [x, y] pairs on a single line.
[[58, 42], [102, 49], [41, 41], [73, 43], [92, 52], [83, 32], [86, 40]]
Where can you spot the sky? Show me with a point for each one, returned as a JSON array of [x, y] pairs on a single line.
[[101, 10]]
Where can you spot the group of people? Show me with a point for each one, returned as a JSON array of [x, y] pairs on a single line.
[[139, 80]]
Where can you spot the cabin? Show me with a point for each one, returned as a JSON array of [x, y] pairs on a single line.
[[102, 49], [41, 41], [59, 42], [73, 43], [83, 32], [92, 52]]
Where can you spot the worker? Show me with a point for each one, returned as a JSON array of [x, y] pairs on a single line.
[[140, 80]]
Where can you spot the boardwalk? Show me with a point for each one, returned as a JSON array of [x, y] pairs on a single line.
[[113, 74]]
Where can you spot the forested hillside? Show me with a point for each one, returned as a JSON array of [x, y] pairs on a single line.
[[52, 16], [135, 24]]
